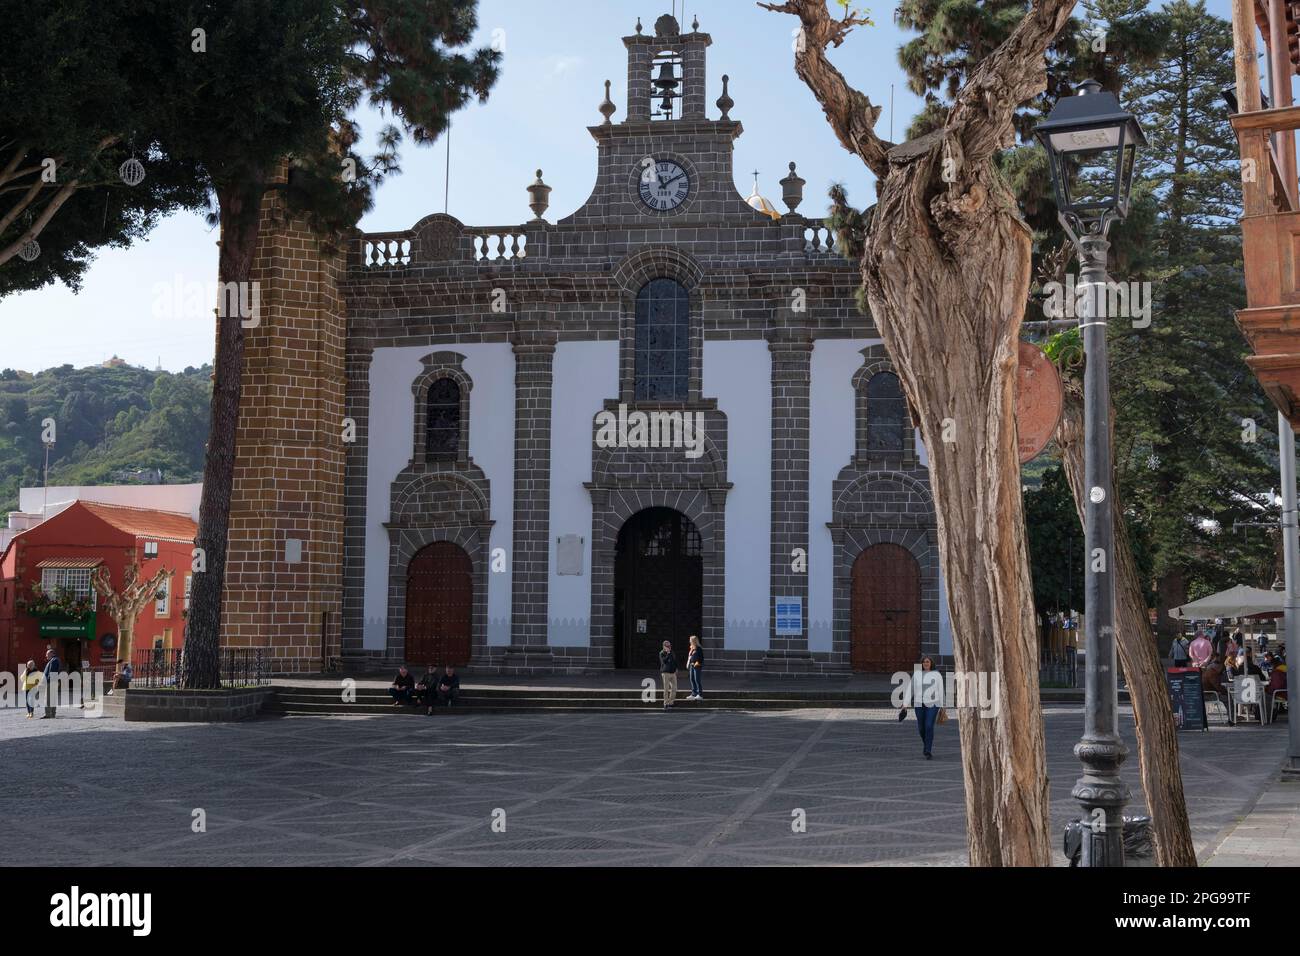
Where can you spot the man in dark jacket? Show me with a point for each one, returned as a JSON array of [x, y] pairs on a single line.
[[52, 668], [449, 686], [403, 687], [668, 671], [427, 688]]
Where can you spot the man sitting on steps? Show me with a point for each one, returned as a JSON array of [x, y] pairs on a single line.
[[403, 687], [449, 685]]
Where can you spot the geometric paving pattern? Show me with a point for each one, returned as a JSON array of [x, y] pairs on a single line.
[[624, 789]]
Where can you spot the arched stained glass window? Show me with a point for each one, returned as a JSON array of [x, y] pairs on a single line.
[[886, 413], [662, 344], [442, 424]]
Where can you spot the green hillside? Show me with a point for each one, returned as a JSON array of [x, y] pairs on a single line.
[[110, 423]]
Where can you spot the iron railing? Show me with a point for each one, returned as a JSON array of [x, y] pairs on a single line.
[[1059, 672], [239, 666]]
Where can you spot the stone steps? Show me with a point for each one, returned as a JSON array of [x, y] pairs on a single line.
[[327, 700], [372, 703]]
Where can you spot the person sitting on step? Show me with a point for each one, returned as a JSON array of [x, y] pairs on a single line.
[[403, 687], [427, 687], [449, 685]]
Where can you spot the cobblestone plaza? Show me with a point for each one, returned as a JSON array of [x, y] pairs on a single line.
[[629, 789]]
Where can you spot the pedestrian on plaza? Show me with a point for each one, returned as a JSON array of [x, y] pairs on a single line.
[[449, 686], [668, 671], [927, 700], [694, 663], [52, 668], [1179, 654], [29, 680], [403, 687], [1263, 641]]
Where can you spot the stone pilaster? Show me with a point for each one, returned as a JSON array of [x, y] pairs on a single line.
[[791, 350], [693, 74], [534, 348], [639, 55]]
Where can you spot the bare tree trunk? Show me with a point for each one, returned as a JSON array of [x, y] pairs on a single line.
[[1157, 738], [946, 269], [239, 231]]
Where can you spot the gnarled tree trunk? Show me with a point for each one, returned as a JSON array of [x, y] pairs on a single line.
[[1157, 738], [946, 270]]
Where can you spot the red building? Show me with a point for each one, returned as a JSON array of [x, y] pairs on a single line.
[[62, 553]]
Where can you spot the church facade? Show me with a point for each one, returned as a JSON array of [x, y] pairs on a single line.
[[547, 448]]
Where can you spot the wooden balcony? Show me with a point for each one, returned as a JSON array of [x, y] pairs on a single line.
[[1270, 225]]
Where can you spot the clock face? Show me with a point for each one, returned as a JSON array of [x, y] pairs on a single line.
[[664, 185]]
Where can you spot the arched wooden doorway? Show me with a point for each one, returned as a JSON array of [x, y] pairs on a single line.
[[439, 605], [885, 622], [658, 587]]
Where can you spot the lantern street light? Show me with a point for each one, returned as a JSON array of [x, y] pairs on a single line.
[[1091, 144]]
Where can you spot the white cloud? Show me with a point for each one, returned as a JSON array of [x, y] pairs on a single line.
[[560, 65]]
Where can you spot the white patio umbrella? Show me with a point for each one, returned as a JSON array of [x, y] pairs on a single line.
[[1241, 601]]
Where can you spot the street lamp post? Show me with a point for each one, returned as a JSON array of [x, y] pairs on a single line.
[[1091, 144]]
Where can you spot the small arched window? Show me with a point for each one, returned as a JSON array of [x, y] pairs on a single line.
[[662, 345], [886, 413], [442, 421]]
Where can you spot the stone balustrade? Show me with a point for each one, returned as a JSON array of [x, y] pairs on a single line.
[[386, 250], [819, 240], [499, 245]]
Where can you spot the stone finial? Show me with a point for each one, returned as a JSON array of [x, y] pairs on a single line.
[[695, 25], [607, 106], [725, 102], [539, 195], [792, 189], [638, 26]]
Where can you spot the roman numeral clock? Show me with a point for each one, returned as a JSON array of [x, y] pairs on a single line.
[[664, 185]]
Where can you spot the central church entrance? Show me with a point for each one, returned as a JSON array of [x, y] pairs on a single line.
[[658, 587], [439, 606]]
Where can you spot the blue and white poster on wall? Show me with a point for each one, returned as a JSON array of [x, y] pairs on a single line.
[[789, 616]]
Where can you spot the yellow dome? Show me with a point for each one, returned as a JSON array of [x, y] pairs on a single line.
[[761, 204]]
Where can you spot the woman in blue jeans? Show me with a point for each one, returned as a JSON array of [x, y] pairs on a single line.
[[694, 664], [927, 698]]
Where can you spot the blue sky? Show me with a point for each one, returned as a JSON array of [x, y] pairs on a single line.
[[557, 56]]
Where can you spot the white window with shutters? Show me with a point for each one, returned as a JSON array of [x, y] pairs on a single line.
[[189, 586], [74, 580]]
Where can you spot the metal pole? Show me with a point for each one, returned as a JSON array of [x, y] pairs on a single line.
[[1101, 751], [1290, 557]]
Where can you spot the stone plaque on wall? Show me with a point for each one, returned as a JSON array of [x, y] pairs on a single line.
[[568, 554]]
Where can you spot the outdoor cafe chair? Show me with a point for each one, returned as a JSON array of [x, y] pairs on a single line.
[[1213, 695], [1247, 692]]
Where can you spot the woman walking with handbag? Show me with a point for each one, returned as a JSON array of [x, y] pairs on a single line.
[[694, 663], [927, 701]]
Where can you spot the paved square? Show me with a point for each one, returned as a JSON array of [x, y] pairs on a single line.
[[695, 787]]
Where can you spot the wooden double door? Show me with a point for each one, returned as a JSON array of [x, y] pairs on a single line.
[[439, 606], [885, 614]]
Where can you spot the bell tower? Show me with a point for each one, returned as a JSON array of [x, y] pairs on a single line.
[[666, 138], [666, 72]]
